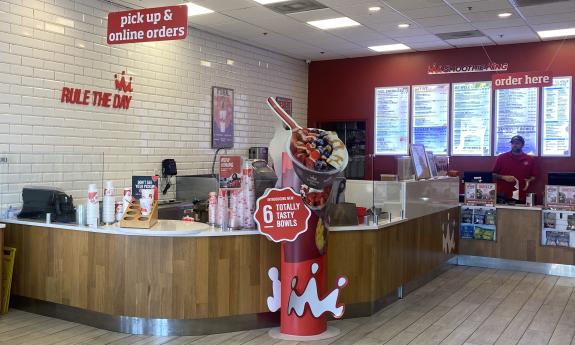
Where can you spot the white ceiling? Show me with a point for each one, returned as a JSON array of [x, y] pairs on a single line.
[[247, 21]]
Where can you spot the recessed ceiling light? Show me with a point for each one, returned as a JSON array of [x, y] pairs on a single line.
[[389, 47], [267, 2], [556, 33], [403, 25], [374, 9], [333, 23], [196, 10], [505, 15]]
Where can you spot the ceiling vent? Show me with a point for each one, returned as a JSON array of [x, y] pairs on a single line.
[[525, 3], [295, 6], [459, 34]]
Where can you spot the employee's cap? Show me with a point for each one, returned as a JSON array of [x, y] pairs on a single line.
[[518, 138]]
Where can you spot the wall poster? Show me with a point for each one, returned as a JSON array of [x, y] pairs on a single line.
[[471, 119], [430, 117], [557, 118], [392, 120], [516, 113], [222, 117]]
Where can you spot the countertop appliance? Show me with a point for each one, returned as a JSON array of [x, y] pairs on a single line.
[[38, 201]]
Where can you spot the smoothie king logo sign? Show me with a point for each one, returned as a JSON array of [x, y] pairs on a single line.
[[120, 100], [470, 68], [149, 24]]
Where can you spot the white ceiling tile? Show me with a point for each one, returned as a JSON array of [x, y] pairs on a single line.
[[514, 40], [554, 26], [472, 41], [326, 13], [357, 34], [395, 32], [222, 5], [551, 18], [213, 19], [511, 33], [437, 21], [427, 12], [430, 45], [450, 28], [419, 39], [486, 16], [380, 42], [481, 5], [412, 4], [509, 22], [552, 8]]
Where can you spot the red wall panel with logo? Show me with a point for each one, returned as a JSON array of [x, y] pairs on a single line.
[[343, 90]]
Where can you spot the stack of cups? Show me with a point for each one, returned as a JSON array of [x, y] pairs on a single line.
[[119, 210], [93, 206], [109, 206], [126, 198], [146, 202], [235, 218], [249, 192], [212, 207], [222, 209]]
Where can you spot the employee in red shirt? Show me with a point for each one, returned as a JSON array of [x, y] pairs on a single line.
[[514, 166]]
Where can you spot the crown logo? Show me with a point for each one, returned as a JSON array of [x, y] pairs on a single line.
[[310, 297], [121, 84]]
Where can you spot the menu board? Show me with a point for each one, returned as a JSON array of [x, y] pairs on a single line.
[[430, 117], [471, 119], [392, 120], [516, 114], [557, 118]]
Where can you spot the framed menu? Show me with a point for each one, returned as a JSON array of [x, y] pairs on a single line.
[[471, 119], [516, 113], [430, 117], [557, 118], [392, 120]]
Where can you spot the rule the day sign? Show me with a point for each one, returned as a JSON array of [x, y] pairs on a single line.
[[149, 24], [522, 79], [281, 215]]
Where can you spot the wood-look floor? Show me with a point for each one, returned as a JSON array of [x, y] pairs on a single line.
[[465, 305]]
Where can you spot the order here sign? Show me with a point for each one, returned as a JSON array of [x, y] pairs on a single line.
[[149, 24], [522, 79]]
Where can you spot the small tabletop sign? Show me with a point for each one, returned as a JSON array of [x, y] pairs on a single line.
[[281, 215], [230, 172], [480, 193], [144, 182], [560, 197]]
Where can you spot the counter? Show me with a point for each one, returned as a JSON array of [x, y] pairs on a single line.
[[192, 280]]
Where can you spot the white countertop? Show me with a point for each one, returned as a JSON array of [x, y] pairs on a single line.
[[2, 226], [166, 228], [509, 207]]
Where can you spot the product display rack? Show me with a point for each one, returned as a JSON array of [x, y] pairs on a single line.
[[558, 228], [478, 223]]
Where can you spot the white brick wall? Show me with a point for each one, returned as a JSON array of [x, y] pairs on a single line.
[[45, 45]]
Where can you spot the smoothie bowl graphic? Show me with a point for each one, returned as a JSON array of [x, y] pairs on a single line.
[[318, 156]]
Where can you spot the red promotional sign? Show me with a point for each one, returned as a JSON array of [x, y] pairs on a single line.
[[281, 215], [97, 98], [230, 171], [522, 79], [149, 24]]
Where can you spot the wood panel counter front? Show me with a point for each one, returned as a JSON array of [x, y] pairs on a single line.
[[518, 237], [221, 279]]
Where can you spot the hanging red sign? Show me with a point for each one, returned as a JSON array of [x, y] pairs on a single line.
[[522, 79], [149, 24], [281, 215]]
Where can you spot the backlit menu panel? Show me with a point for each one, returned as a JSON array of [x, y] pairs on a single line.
[[392, 120], [430, 117], [557, 118], [516, 114], [471, 119]]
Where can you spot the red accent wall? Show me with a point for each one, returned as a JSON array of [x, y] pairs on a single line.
[[343, 90]]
